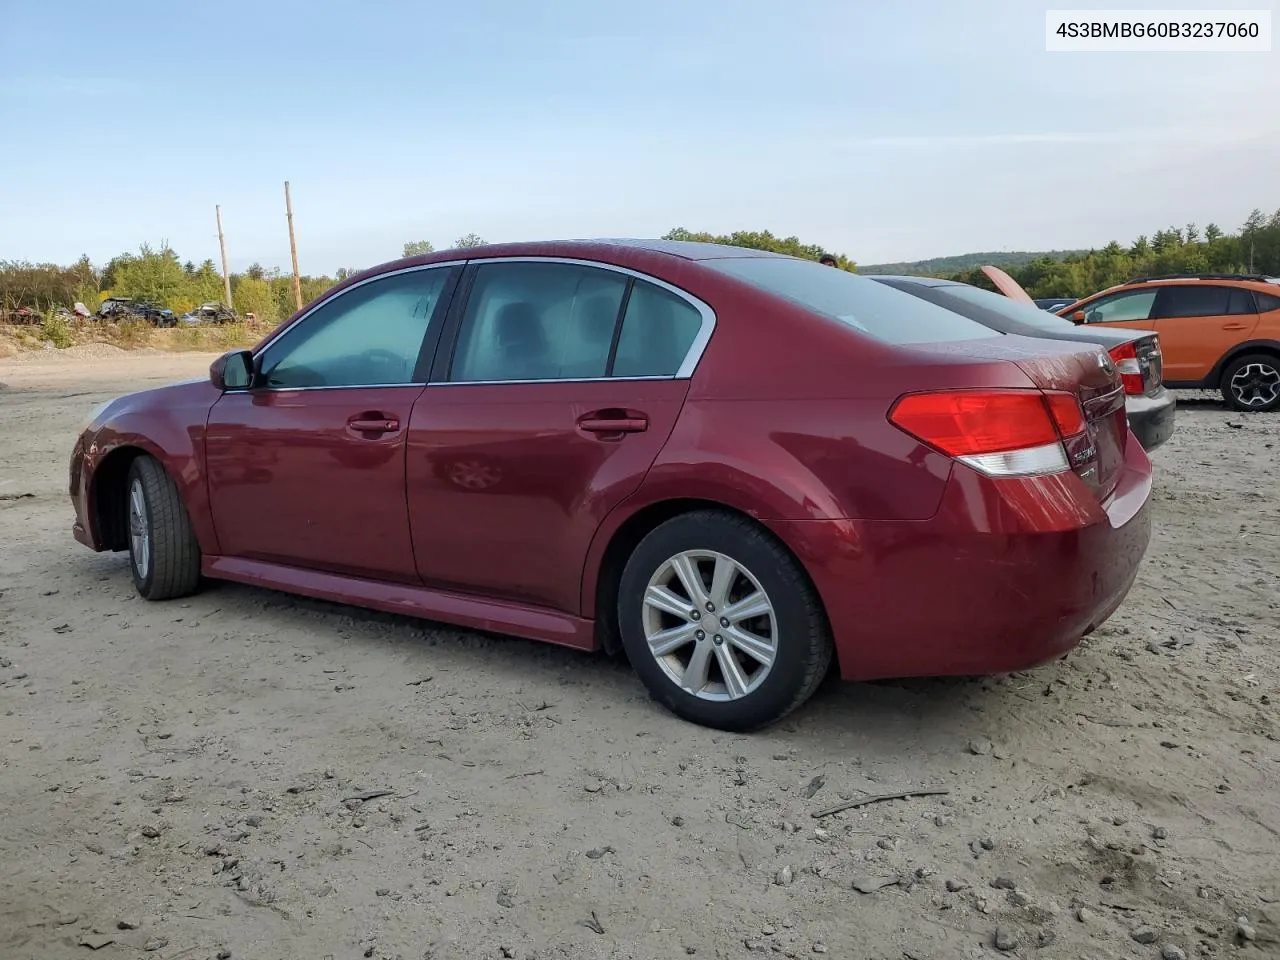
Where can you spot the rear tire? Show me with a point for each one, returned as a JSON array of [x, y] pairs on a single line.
[[721, 623], [163, 553], [1251, 383]]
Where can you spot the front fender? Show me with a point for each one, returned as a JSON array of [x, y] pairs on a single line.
[[167, 424]]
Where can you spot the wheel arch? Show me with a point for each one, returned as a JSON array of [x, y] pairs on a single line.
[[1269, 347], [107, 488], [621, 534]]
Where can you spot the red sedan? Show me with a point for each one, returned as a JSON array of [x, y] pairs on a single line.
[[732, 465]]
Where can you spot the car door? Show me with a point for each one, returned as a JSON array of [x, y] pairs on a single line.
[[306, 466], [1198, 323], [556, 387]]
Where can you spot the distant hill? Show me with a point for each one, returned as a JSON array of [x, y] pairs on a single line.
[[942, 266]]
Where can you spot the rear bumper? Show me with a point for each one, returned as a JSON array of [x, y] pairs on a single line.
[[1008, 575], [1151, 418]]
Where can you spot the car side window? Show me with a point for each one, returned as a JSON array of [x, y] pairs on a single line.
[[370, 335], [1121, 307], [1266, 302], [1193, 300], [1241, 302], [537, 321], [658, 329]]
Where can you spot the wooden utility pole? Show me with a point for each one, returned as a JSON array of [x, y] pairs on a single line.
[[222, 243], [293, 247]]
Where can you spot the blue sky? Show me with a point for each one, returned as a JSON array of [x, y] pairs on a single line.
[[885, 131]]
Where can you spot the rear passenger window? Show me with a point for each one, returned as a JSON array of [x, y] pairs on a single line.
[[537, 321], [1200, 300], [1266, 302], [1241, 301], [658, 330]]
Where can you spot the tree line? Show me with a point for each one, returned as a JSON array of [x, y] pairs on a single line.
[[159, 275], [1254, 248]]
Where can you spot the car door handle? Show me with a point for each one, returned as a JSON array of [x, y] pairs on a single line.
[[608, 425], [365, 424], [1234, 326]]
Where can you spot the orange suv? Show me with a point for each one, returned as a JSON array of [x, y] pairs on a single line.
[[1217, 331]]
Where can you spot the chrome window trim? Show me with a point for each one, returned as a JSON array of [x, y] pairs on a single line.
[[343, 386], [691, 358], [683, 372], [492, 383], [285, 330]]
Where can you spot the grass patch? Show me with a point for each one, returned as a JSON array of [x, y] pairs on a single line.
[[57, 330], [130, 335]]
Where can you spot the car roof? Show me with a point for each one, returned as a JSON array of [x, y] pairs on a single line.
[[922, 281], [599, 249], [1249, 282]]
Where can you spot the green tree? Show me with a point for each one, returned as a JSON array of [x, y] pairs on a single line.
[[418, 248], [762, 240], [468, 240], [254, 295], [154, 275]]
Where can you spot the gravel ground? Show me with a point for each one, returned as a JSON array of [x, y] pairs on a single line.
[[249, 775]]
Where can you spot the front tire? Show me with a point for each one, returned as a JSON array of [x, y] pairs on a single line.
[[1252, 383], [163, 553], [721, 623]]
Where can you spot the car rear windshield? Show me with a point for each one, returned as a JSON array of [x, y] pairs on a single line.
[[869, 307], [1018, 311]]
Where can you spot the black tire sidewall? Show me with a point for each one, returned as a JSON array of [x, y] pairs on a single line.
[[1233, 368], [138, 475], [793, 605]]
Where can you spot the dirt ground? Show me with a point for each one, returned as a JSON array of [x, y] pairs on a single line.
[[243, 774]]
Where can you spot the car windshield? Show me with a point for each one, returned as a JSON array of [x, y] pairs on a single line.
[[1015, 310], [869, 307]]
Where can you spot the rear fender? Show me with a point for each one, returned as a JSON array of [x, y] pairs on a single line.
[[1214, 379]]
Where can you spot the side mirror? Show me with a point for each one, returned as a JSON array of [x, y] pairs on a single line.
[[1078, 317], [232, 370]]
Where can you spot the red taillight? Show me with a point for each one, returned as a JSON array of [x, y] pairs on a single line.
[[1000, 432], [1066, 412], [1126, 359]]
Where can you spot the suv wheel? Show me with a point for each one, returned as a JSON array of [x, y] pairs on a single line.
[[1252, 383], [721, 623]]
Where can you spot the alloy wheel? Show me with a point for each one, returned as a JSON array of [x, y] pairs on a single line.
[[139, 534], [1256, 384], [710, 625]]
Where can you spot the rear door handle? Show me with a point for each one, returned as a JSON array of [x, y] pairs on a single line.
[[373, 424], [610, 425], [1234, 326]]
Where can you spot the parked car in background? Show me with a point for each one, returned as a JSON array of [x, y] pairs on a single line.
[[1054, 303], [1136, 353], [1218, 331], [604, 445], [22, 316], [127, 308], [211, 312]]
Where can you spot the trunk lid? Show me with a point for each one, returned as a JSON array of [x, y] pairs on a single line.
[[1088, 373], [1010, 287], [1097, 455]]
